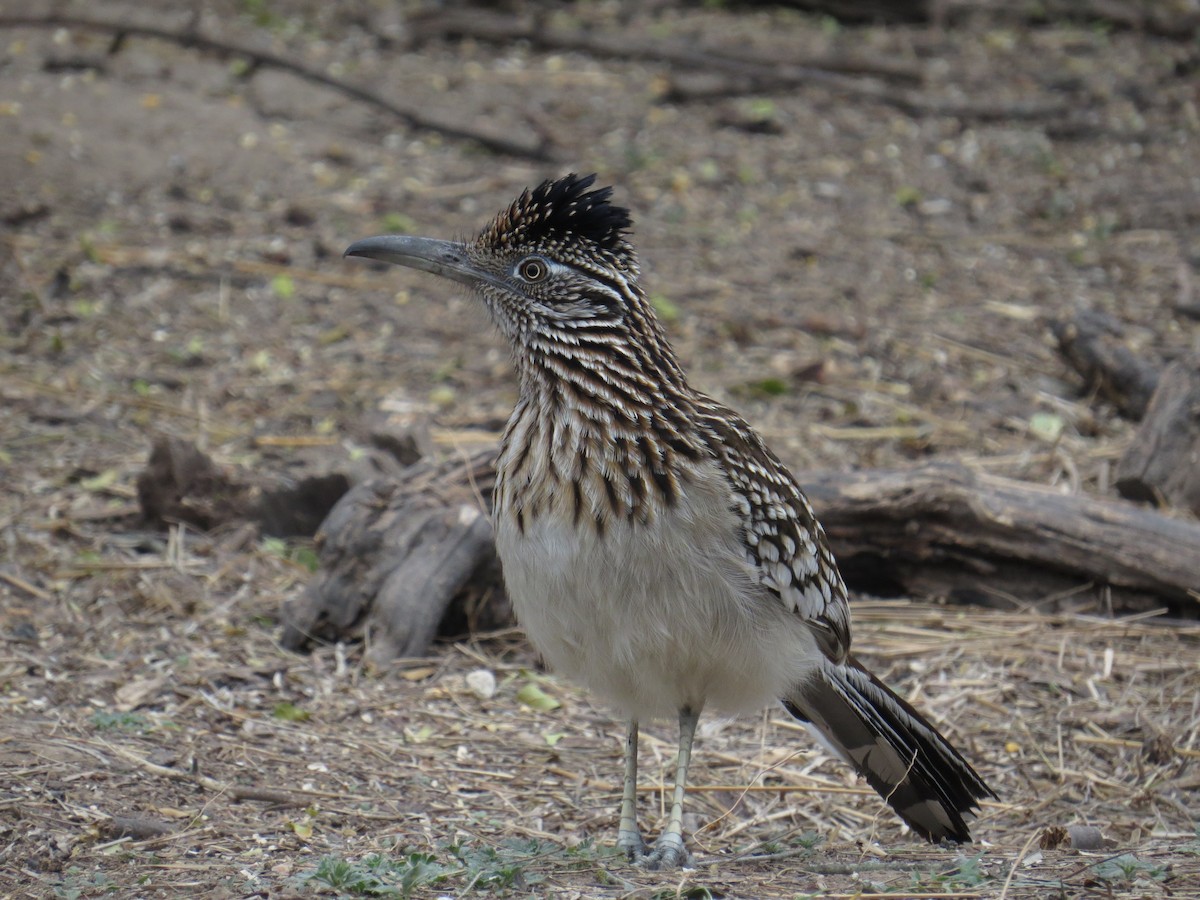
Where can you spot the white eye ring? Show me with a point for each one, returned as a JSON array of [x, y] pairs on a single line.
[[533, 269]]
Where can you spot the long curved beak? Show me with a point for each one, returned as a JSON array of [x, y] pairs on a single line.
[[445, 258]]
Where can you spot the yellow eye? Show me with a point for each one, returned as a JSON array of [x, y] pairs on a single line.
[[533, 269]]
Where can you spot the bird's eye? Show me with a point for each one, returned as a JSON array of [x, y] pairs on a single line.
[[533, 269]]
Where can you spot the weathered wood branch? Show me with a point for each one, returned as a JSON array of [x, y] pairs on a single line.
[[1178, 21], [1162, 464], [180, 483], [986, 531], [395, 555], [1093, 343], [712, 72], [504, 29], [191, 37]]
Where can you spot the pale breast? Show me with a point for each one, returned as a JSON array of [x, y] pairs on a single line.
[[652, 612]]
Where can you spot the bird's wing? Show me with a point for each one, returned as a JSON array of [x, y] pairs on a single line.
[[784, 540]]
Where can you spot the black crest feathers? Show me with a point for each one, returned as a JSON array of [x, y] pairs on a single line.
[[563, 216]]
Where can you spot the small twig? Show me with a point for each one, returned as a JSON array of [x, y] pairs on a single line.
[[1178, 22], [139, 827], [1132, 745], [722, 73], [22, 585], [505, 29], [716, 85], [282, 796], [1016, 862], [261, 58]]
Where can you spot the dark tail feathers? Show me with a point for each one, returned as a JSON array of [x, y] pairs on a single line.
[[924, 779]]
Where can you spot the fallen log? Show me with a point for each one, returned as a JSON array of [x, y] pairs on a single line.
[[1162, 464], [401, 557], [180, 483], [1093, 343], [398, 557], [943, 529]]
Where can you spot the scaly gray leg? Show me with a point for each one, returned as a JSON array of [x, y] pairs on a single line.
[[629, 838], [669, 852]]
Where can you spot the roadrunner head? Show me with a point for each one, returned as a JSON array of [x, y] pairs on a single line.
[[565, 222], [557, 273]]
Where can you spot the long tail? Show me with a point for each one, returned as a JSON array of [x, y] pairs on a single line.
[[924, 779]]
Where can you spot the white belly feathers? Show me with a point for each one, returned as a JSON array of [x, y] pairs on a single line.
[[655, 615]]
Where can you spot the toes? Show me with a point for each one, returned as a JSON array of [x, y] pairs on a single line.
[[668, 853], [631, 844]]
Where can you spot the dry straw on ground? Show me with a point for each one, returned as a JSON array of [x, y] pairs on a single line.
[[161, 754]]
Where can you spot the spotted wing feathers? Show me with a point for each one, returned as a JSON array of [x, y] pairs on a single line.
[[783, 537]]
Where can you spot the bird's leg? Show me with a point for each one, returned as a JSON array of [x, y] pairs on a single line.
[[669, 852], [629, 838]]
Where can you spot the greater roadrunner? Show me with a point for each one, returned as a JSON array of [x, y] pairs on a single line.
[[654, 549]]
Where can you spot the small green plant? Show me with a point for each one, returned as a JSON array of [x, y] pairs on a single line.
[[586, 852], [103, 720], [1126, 868], [300, 553], [967, 875], [289, 712], [261, 14], [1192, 848], [379, 875], [502, 867], [767, 387], [687, 891], [970, 872], [810, 840], [76, 885]]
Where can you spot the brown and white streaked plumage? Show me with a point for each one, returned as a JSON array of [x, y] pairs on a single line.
[[654, 548]]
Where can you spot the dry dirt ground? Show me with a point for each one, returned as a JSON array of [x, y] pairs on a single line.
[[863, 265]]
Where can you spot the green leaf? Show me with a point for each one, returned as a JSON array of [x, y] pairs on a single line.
[[418, 735], [302, 830], [283, 286], [762, 108], [289, 712], [275, 546], [666, 309], [101, 482], [1047, 426], [306, 557], [261, 361], [908, 195], [398, 222], [769, 387], [535, 698]]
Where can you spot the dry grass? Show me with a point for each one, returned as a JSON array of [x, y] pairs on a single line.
[[148, 748]]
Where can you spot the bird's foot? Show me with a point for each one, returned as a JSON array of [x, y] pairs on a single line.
[[629, 842], [668, 853]]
